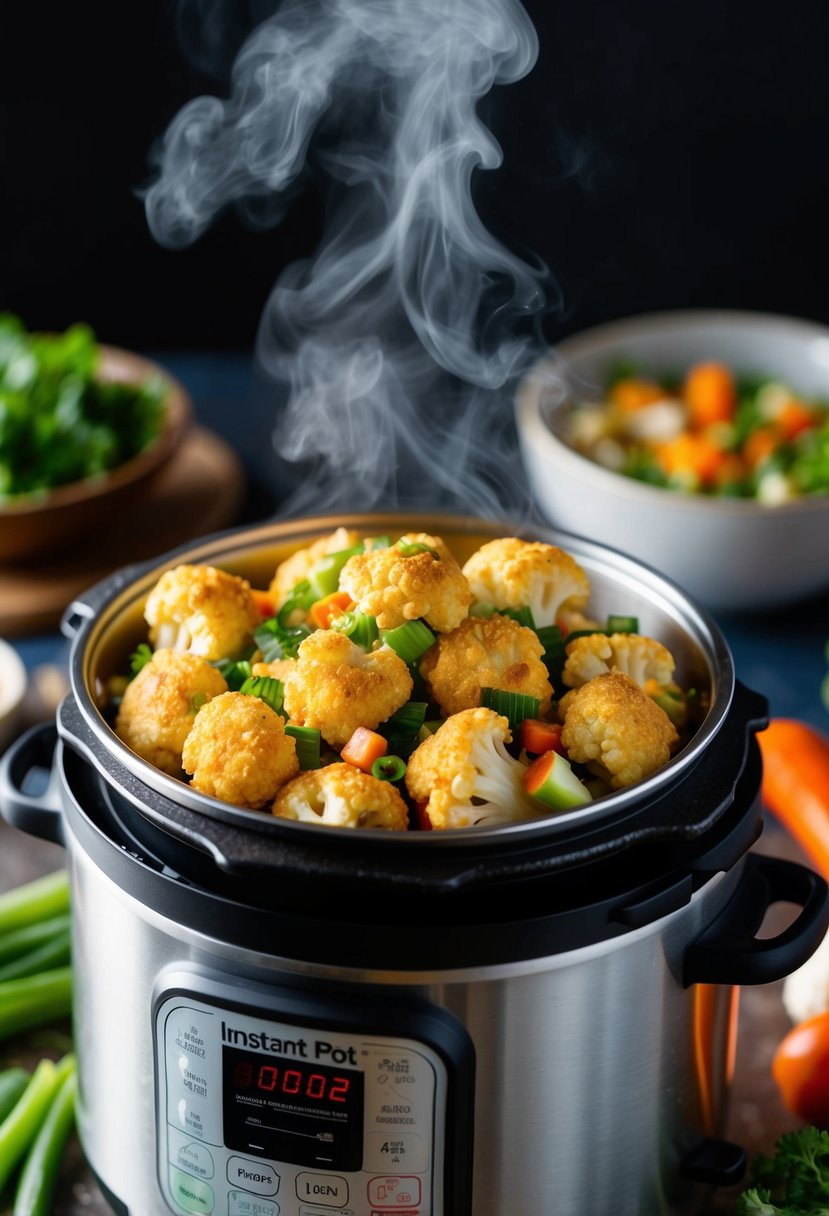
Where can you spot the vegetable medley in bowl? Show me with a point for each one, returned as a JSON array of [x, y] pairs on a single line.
[[378, 683]]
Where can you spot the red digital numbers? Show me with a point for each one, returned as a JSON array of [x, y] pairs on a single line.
[[293, 1082]]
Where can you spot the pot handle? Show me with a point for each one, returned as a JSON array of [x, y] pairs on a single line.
[[729, 952], [39, 814]]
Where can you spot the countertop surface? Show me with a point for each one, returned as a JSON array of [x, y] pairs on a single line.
[[780, 655]]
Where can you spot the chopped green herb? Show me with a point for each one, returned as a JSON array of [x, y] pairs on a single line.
[[140, 657], [279, 641]]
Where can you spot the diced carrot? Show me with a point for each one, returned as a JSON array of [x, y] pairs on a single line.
[[710, 393], [693, 456], [795, 417], [264, 602], [538, 772], [731, 470], [633, 393], [761, 444], [363, 748], [323, 611], [538, 736]]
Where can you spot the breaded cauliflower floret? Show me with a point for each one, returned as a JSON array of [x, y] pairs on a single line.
[[395, 588], [277, 669], [463, 775], [295, 568], [493, 653], [513, 573], [342, 796], [159, 706], [238, 751], [203, 610], [616, 729], [641, 658], [337, 686]]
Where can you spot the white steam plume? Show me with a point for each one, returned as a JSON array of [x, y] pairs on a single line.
[[402, 338]]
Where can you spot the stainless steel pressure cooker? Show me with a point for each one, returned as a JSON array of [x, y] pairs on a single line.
[[279, 1019]]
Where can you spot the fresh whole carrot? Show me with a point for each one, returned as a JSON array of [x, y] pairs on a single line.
[[323, 611], [363, 748], [795, 785]]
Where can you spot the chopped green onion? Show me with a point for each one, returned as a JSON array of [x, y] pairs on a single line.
[[430, 727], [376, 542], [196, 701], [583, 633], [307, 745], [22, 1124], [29, 937], [53, 953], [301, 598], [38, 1177], [522, 615], [482, 610], [402, 729], [409, 548], [388, 768], [622, 624], [140, 657], [409, 641], [235, 672], [515, 706], [279, 641], [34, 901], [267, 689], [13, 1082], [359, 626], [34, 1000]]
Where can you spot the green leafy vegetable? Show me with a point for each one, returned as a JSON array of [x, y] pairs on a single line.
[[59, 422], [140, 657], [794, 1181]]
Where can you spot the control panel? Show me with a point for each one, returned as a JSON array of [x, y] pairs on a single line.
[[273, 1110]]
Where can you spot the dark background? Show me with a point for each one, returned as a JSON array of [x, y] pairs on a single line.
[[659, 155]]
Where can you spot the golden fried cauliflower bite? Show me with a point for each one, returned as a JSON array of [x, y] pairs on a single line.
[[337, 686], [641, 658], [463, 775], [492, 653], [513, 573], [203, 610], [238, 751], [342, 796], [395, 587], [296, 567], [614, 728], [159, 706]]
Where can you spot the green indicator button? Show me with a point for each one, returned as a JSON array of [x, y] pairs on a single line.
[[190, 1193]]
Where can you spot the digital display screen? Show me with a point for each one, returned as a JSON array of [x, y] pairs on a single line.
[[291, 1110]]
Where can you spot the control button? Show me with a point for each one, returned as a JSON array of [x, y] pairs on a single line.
[[400, 1150], [191, 1156], [325, 1190], [189, 1193], [304, 1210], [240, 1204], [252, 1176], [394, 1193]]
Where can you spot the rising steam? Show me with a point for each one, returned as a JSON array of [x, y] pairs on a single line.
[[401, 339]]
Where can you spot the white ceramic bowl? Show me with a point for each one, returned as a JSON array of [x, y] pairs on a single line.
[[731, 555], [13, 684]]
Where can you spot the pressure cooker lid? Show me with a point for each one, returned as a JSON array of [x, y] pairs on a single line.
[[107, 624]]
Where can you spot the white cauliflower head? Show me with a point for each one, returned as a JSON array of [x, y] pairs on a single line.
[[641, 658], [158, 708], [342, 796], [416, 578], [203, 610], [806, 990], [485, 653], [238, 751], [296, 567], [513, 573], [463, 776], [614, 728], [336, 686]]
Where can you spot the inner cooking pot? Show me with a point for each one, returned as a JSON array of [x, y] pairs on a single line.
[[684, 797]]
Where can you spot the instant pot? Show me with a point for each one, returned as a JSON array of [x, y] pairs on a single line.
[[278, 1019]]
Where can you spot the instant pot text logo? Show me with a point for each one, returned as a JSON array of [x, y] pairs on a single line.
[[299, 1048]]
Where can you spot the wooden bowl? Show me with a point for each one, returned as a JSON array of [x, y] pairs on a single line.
[[42, 525]]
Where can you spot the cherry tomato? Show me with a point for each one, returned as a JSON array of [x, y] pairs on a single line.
[[801, 1069]]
